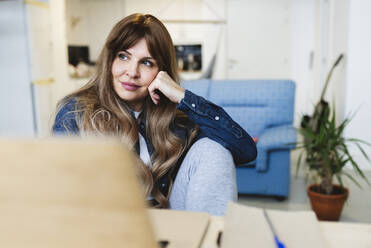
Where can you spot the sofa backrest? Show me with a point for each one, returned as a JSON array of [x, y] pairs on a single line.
[[254, 104]]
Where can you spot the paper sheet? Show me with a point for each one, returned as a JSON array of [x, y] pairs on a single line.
[[247, 227]]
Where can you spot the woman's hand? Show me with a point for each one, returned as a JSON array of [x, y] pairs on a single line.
[[166, 85]]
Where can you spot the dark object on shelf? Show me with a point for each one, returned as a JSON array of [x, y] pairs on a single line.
[[189, 57], [78, 54]]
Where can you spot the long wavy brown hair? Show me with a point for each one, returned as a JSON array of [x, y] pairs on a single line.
[[99, 110]]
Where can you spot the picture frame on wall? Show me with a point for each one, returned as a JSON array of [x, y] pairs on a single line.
[[79, 64], [189, 57]]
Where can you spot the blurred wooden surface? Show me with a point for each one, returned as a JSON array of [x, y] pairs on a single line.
[[180, 229], [69, 193]]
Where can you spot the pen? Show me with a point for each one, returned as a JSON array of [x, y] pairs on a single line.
[[279, 244]]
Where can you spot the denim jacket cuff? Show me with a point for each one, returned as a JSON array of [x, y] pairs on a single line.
[[192, 102]]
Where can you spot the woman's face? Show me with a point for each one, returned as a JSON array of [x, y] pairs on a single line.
[[133, 71]]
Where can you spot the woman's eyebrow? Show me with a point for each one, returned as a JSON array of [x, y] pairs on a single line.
[[144, 58], [148, 58]]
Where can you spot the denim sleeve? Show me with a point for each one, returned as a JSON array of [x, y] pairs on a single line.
[[65, 121], [217, 125]]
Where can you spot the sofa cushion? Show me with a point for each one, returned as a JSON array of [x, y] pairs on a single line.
[[199, 87], [251, 118], [276, 95]]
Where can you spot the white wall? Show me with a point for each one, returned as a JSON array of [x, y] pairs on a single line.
[[89, 22], [62, 85], [302, 55], [330, 40], [358, 76], [274, 39], [338, 43], [15, 73], [259, 39], [38, 23]]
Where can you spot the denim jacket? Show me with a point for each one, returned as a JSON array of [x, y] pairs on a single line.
[[211, 119]]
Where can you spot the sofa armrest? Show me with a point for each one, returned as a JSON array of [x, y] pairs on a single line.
[[278, 137]]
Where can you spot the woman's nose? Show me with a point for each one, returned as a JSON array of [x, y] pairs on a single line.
[[132, 69]]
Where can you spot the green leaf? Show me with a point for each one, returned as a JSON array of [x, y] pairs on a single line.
[[352, 178], [363, 152], [358, 140], [355, 165], [340, 180]]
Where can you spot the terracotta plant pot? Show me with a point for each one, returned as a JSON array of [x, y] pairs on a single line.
[[327, 207]]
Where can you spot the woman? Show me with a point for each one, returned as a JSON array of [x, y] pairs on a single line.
[[185, 142]]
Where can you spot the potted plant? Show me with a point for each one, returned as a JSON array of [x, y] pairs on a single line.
[[326, 152]]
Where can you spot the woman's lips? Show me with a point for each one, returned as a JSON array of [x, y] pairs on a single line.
[[129, 86]]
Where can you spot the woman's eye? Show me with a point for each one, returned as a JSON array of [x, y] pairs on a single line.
[[122, 56], [147, 63]]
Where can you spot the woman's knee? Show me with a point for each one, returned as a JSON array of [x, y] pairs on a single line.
[[208, 156], [207, 149]]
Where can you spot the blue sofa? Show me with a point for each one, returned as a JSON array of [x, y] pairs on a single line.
[[265, 109]]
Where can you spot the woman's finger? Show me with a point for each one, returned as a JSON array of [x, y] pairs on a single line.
[[167, 87], [151, 90], [156, 96], [155, 99]]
